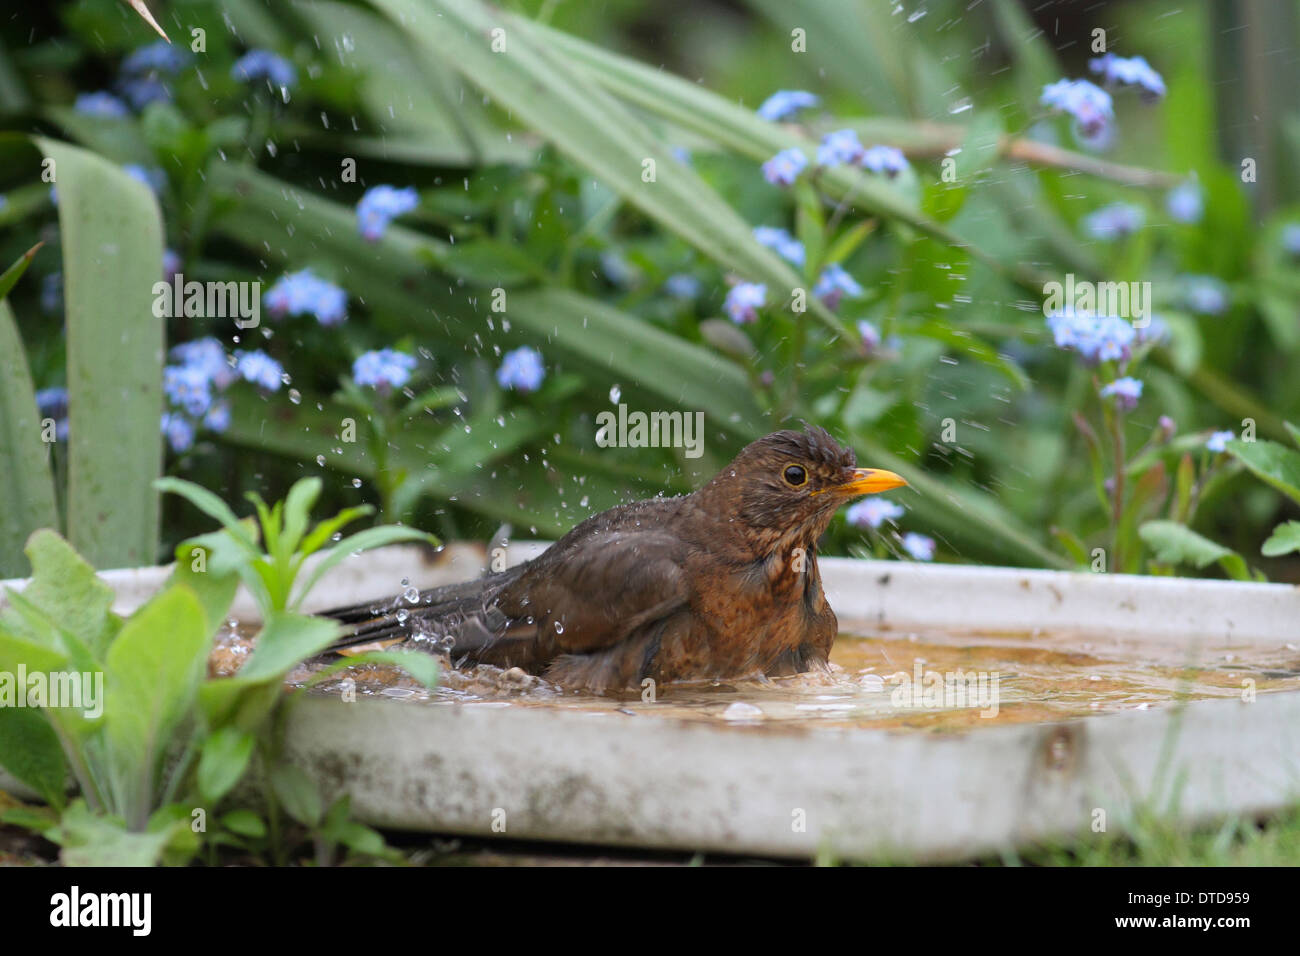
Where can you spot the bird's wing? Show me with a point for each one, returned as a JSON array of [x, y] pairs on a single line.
[[596, 591]]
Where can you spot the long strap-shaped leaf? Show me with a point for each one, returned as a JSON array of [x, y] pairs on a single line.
[[707, 114], [595, 130], [27, 491], [112, 256]]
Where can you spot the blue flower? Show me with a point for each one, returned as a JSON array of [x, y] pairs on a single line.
[[834, 284], [100, 104], [263, 64], [383, 369], [1089, 105], [381, 205], [260, 369], [1114, 221], [155, 179], [616, 268], [53, 403], [218, 417], [178, 430], [784, 168], [743, 302], [873, 512], [841, 147], [1097, 338], [208, 357], [1186, 202], [1206, 295], [781, 242], [1291, 239], [305, 293], [522, 370], [784, 103], [188, 387], [171, 264], [1130, 71], [885, 160], [919, 546], [682, 285], [1126, 392], [143, 90], [1218, 442], [157, 57], [870, 338]]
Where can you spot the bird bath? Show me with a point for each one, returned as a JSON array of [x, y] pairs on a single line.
[[969, 710]]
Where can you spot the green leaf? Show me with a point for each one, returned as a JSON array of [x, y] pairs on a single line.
[[1173, 543], [27, 491], [215, 589], [112, 257], [9, 278], [1284, 539], [326, 529], [975, 348], [66, 589], [30, 750], [1276, 464], [152, 677], [297, 793], [487, 262], [298, 503], [725, 337], [1073, 544], [213, 507], [361, 541], [246, 823], [90, 839], [692, 107], [285, 640], [688, 376], [594, 129], [222, 762]]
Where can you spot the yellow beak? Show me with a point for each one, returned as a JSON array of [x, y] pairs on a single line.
[[868, 481]]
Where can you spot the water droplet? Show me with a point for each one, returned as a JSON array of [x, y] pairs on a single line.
[[412, 595], [615, 394], [295, 396], [356, 482]]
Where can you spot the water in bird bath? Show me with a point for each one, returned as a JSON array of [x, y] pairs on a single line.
[[923, 681]]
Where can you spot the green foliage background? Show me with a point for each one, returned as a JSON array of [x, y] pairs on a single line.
[[529, 166]]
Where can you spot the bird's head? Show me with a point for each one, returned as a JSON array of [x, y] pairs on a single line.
[[785, 488]]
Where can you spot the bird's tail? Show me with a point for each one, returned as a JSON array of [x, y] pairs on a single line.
[[455, 617]]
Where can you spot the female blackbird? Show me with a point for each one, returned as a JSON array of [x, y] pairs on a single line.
[[720, 583]]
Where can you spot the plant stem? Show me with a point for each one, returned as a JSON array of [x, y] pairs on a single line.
[[1117, 514]]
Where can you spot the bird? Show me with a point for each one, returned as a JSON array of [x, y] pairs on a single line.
[[721, 583]]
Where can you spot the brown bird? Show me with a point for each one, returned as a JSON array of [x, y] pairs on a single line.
[[720, 583]]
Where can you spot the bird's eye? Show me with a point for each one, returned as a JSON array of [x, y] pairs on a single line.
[[795, 476]]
